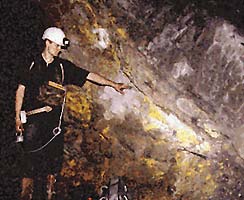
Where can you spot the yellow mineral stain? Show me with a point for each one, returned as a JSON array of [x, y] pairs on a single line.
[[149, 162], [200, 165], [151, 126], [115, 57], [106, 130], [87, 34], [89, 10], [156, 117], [156, 113], [112, 19], [191, 169], [153, 165], [208, 177], [189, 173], [221, 165], [72, 163], [105, 133], [121, 33], [187, 137], [79, 105], [158, 174]]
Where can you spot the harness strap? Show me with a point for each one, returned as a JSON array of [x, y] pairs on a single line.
[[62, 70], [32, 64]]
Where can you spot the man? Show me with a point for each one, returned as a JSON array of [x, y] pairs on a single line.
[[41, 93]]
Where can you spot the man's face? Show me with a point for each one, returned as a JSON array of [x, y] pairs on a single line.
[[53, 48]]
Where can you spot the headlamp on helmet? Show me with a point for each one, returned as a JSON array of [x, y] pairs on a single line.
[[66, 43]]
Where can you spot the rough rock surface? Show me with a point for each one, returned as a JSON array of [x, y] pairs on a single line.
[[178, 132]]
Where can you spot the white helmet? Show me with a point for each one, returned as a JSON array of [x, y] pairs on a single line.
[[55, 35]]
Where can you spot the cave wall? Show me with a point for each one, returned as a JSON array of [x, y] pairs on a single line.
[[177, 132]]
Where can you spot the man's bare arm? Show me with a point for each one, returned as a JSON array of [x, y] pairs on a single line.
[[119, 87], [18, 105]]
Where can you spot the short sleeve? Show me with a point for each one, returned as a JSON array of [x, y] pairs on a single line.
[[74, 75], [24, 74]]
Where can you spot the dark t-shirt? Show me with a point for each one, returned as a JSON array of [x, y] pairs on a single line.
[[38, 93], [39, 127]]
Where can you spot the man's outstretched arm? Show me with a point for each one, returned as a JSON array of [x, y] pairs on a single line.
[[119, 87]]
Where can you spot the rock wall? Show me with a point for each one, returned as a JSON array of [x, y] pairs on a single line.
[[177, 132]]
